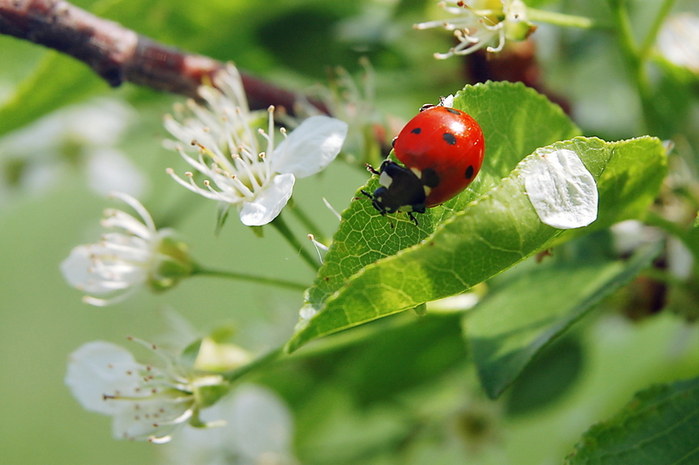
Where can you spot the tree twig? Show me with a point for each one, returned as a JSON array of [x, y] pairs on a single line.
[[119, 55]]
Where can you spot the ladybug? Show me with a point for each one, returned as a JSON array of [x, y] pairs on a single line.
[[442, 151]]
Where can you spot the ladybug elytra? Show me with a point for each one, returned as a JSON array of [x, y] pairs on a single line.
[[442, 151]]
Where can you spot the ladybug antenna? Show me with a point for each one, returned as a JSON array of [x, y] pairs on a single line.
[[370, 169]]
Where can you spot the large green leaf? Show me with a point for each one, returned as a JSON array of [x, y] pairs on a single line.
[[491, 234], [514, 323], [57, 81], [659, 426], [506, 113]]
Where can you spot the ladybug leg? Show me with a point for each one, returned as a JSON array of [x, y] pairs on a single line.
[[375, 203], [412, 217]]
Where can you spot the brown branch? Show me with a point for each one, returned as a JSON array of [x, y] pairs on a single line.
[[118, 54]]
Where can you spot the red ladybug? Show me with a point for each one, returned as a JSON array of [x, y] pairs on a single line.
[[442, 149]]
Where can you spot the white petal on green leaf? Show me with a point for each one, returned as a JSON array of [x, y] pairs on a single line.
[[562, 191]]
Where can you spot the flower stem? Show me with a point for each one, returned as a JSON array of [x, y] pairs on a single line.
[[284, 230], [252, 278], [559, 19], [634, 60]]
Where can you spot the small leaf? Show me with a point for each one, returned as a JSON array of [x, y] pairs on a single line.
[[513, 324], [492, 233], [222, 209], [659, 425], [190, 353]]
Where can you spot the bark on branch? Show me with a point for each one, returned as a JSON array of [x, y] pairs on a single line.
[[118, 54]]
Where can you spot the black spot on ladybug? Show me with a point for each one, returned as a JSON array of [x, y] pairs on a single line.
[[430, 178], [452, 110], [469, 172], [416, 131], [449, 138]]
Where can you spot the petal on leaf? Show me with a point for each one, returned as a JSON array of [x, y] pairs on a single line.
[[562, 191]]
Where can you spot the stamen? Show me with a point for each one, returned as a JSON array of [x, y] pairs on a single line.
[[246, 165], [318, 247], [216, 194], [161, 440], [330, 207]]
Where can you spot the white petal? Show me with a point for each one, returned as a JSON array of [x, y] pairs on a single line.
[[261, 422], [680, 259], [109, 170], [98, 368], [100, 122], [76, 267], [268, 203], [257, 426], [155, 417], [678, 41], [562, 191], [81, 271], [310, 147]]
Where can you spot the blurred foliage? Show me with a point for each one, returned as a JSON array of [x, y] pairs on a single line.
[[559, 342]]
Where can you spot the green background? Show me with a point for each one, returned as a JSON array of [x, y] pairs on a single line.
[[42, 320]]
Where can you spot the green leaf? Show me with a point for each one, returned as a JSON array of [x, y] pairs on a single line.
[[190, 353], [504, 112], [57, 81], [513, 324], [492, 233], [659, 425], [551, 375]]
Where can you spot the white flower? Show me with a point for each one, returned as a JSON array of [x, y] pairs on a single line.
[[482, 24], [244, 167], [678, 41], [122, 262], [258, 430], [353, 103], [147, 402], [81, 136]]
